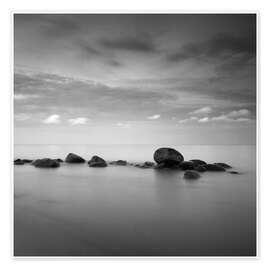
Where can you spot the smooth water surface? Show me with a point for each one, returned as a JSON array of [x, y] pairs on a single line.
[[75, 210]]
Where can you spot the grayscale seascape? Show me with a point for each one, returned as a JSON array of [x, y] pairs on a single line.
[[135, 134]]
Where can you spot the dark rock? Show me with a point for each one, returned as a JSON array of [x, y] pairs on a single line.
[[149, 164], [119, 162], [169, 157], [233, 172], [223, 165], [18, 162], [59, 160], [27, 160], [145, 165], [214, 168], [191, 175], [46, 163], [73, 158], [186, 165], [200, 168], [96, 161], [198, 162]]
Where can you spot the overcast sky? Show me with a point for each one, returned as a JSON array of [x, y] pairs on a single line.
[[158, 79]]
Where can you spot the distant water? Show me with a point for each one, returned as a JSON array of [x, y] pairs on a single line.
[[75, 210]]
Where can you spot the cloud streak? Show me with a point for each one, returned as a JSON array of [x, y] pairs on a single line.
[[52, 119]]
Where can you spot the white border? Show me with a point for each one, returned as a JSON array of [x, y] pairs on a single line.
[[206, 6]]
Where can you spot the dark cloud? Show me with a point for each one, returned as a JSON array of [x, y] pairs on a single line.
[[134, 44], [227, 51]]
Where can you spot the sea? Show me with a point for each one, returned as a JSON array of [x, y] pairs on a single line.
[[75, 210]]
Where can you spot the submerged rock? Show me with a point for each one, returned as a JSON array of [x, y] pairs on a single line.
[[214, 168], [27, 160], [233, 172], [46, 163], [223, 165], [198, 162], [169, 157], [119, 162], [96, 161], [186, 165], [145, 165], [200, 168], [191, 175], [73, 158], [18, 162]]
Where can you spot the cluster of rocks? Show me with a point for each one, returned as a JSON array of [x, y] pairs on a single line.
[[165, 158]]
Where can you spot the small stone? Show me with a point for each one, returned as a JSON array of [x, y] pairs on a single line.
[[223, 165], [214, 168], [97, 161], [233, 172], [200, 168]]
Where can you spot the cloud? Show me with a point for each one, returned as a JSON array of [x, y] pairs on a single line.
[[242, 112], [123, 125], [203, 120], [53, 119], [227, 52], [233, 116], [78, 121], [154, 117], [24, 96], [21, 117], [204, 110], [130, 44]]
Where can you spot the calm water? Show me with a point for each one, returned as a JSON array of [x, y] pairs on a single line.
[[77, 210]]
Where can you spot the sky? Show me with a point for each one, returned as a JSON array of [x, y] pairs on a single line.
[[167, 79]]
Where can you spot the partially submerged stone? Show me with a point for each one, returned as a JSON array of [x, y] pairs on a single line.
[[200, 168], [214, 168], [46, 163], [145, 165], [223, 165], [18, 162], [186, 165], [119, 162], [190, 175], [233, 172], [97, 161], [73, 158], [198, 162], [27, 160], [169, 157]]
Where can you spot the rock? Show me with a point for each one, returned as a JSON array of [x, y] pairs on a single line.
[[169, 157], [186, 165], [27, 160], [200, 168], [59, 160], [191, 175], [46, 163], [145, 165], [149, 164], [73, 158], [223, 165], [18, 162], [96, 161], [198, 162], [233, 172], [214, 168], [119, 162]]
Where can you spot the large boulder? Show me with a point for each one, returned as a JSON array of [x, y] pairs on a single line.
[[96, 161], [198, 162], [73, 158], [214, 168], [169, 157], [190, 175], [46, 163]]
